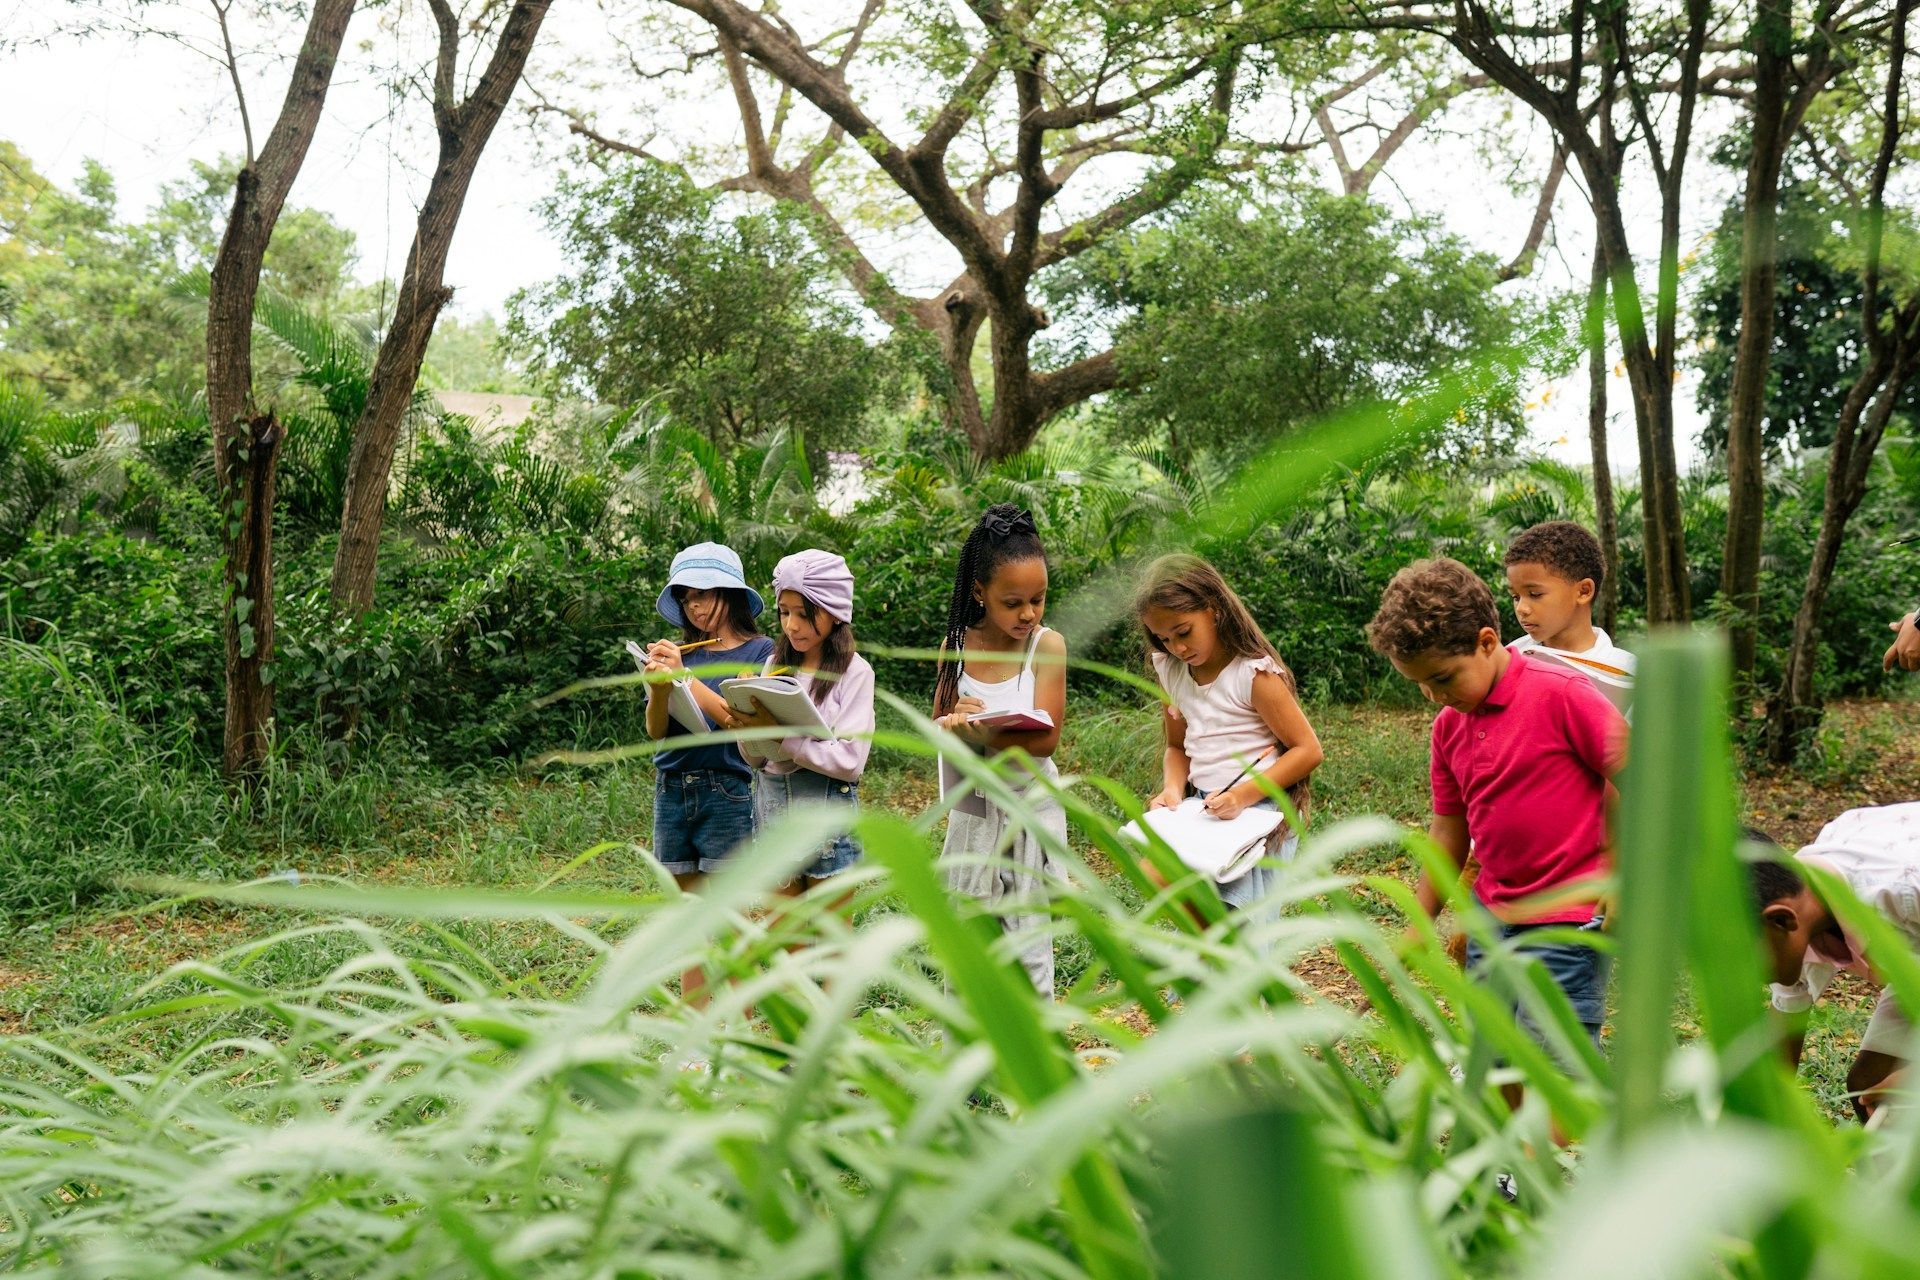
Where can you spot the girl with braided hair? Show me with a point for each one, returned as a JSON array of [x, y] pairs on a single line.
[[997, 656]]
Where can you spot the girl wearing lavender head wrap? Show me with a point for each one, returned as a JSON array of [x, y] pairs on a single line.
[[813, 592]]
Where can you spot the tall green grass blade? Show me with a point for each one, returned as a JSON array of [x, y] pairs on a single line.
[[1240, 1193], [1035, 1064], [1663, 829]]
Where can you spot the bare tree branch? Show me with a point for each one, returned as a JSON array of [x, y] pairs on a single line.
[[233, 71], [1522, 262]]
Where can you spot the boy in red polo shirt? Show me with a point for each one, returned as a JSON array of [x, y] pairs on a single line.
[[1522, 753]]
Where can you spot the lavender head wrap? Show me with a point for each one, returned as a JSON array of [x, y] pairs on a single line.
[[821, 577]]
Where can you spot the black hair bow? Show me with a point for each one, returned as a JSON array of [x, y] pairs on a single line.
[[1002, 525]]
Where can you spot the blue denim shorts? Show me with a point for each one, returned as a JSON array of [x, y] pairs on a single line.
[[699, 817], [1577, 969], [803, 786]]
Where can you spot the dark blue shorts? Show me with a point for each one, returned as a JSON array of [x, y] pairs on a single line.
[[775, 791], [699, 817], [1577, 969]]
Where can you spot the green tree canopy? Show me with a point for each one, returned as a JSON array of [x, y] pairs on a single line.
[[86, 311], [1235, 321], [1816, 344], [734, 319]]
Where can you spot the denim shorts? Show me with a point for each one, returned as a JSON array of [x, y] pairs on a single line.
[[1577, 969], [803, 786], [699, 817]]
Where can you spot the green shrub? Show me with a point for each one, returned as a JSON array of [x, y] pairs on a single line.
[[138, 618], [91, 795]]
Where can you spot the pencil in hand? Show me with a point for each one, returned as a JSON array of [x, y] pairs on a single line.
[[1251, 766]]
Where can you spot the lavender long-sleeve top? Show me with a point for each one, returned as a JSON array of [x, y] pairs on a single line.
[[848, 707]]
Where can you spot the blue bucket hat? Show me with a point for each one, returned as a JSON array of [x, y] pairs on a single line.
[[704, 565]]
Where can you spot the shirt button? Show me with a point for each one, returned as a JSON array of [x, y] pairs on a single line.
[[1483, 735]]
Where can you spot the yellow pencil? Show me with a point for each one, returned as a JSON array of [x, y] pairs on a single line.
[[698, 644]]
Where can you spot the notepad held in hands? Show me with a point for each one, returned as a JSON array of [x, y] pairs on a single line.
[[680, 704], [1222, 849], [784, 697], [1016, 718]]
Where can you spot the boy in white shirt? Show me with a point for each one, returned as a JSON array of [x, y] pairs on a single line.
[[1554, 571], [1876, 852]]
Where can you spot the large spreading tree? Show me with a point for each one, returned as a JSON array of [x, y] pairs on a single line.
[[1020, 134]]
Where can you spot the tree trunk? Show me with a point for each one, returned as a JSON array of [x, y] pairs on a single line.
[[1606, 516], [244, 442], [1890, 359], [1662, 533], [954, 320], [1794, 712], [1753, 353], [249, 485], [464, 129]]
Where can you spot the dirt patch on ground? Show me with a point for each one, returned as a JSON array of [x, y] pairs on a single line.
[[11, 979], [1327, 975], [1868, 755]]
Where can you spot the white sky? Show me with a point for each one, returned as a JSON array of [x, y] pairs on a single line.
[[143, 109]]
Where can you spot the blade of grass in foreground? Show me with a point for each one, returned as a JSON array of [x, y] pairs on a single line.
[[1665, 790], [1036, 1064], [1248, 1194]]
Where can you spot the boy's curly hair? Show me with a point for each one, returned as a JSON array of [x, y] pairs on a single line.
[[1432, 606], [1562, 546]]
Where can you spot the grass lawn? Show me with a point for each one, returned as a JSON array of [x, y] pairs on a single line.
[[497, 827]]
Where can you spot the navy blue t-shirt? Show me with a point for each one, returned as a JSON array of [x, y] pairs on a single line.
[[720, 755]]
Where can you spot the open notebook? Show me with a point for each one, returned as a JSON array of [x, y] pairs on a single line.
[[680, 704], [784, 697], [1015, 718], [1223, 850]]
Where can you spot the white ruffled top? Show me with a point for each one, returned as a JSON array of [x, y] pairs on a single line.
[[1224, 732]]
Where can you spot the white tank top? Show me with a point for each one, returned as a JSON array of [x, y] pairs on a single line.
[[1015, 693]]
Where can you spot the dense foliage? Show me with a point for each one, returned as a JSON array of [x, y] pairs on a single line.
[[1817, 346], [730, 318], [1301, 304], [516, 562]]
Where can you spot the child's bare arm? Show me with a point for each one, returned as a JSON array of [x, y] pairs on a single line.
[[711, 704], [657, 714], [1449, 831], [1289, 724], [1174, 764], [656, 708]]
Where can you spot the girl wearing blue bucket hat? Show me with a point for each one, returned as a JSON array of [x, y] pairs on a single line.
[[702, 796]]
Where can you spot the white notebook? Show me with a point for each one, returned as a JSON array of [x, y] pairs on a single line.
[[1223, 850], [680, 704], [1013, 718], [785, 697]]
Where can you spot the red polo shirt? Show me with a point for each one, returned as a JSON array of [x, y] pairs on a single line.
[[1529, 768]]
